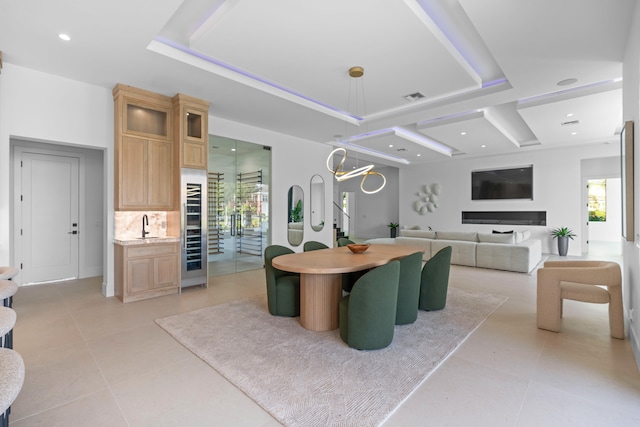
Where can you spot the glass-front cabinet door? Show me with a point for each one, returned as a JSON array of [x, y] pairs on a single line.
[[239, 175]]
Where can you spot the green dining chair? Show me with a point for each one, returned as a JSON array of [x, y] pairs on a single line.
[[434, 281], [368, 313], [409, 289], [343, 241], [312, 245], [283, 287], [349, 279]]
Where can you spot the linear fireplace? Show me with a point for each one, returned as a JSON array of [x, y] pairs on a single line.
[[505, 217]]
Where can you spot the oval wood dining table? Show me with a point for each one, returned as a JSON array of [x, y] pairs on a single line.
[[321, 278]]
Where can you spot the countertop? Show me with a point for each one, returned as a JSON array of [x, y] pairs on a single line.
[[147, 241]]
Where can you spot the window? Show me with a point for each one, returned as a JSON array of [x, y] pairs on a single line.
[[597, 200]]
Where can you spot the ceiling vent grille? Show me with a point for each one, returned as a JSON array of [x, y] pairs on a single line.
[[571, 123], [413, 96]]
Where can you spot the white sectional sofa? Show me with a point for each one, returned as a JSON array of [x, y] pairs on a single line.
[[514, 251]]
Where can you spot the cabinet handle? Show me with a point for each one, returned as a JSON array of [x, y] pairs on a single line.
[[184, 227]]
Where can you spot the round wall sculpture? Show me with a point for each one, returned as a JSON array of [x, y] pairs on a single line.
[[428, 199]]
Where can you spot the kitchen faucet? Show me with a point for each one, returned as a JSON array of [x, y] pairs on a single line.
[[145, 218]]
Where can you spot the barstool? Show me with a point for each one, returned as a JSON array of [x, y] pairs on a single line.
[[8, 288], [12, 374], [7, 322], [8, 273]]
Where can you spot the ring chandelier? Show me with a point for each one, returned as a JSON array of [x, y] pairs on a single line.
[[364, 171]]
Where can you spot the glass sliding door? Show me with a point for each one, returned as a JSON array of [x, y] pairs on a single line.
[[239, 174]]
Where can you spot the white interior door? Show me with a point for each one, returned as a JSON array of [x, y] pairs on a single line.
[[48, 217]]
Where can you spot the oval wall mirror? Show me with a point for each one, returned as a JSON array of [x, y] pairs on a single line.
[[317, 202], [295, 222]]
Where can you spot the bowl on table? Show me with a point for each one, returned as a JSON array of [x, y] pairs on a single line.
[[358, 248]]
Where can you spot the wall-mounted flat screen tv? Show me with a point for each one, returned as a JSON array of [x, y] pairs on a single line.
[[501, 184]]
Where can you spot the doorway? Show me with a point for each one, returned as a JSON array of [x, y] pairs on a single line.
[[604, 197], [48, 217], [239, 173], [348, 210], [601, 229], [57, 211]]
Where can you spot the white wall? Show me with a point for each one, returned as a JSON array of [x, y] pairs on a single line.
[[47, 108], [556, 190], [372, 211], [631, 111]]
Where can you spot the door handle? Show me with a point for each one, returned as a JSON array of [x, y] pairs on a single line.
[[233, 225], [73, 232]]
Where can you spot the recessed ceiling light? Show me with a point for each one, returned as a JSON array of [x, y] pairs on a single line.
[[418, 154], [483, 146], [233, 149], [463, 133], [390, 145], [567, 82], [64, 37], [574, 133], [569, 114]]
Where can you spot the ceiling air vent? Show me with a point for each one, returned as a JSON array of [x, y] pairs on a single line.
[[571, 123], [413, 96], [401, 149]]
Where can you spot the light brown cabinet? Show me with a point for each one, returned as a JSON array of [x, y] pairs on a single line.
[[191, 131], [144, 150], [145, 174], [146, 270]]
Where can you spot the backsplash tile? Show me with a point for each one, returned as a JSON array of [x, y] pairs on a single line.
[[128, 225]]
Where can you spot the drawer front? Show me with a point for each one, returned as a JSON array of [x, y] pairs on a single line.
[[152, 249]]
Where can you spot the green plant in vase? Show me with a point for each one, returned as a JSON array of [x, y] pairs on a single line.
[[296, 212], [563, 234], [393, 226]]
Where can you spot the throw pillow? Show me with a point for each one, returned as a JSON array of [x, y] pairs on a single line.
[[507, 238]]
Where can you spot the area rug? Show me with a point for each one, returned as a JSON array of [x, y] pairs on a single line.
[[305, 378]]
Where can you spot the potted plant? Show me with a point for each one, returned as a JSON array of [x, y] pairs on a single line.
[[563, 234], [394, 228], [296, 212]]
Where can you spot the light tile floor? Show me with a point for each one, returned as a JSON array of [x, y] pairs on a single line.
[[93, 361]]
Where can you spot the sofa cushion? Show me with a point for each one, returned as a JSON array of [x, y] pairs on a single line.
[[425, 234], [463, 253], [496, 238], [521, 236], [419, 242], [469, 236], [381, 241], [521, 258]]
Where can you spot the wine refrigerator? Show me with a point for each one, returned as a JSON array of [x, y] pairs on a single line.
[[193, 235]]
